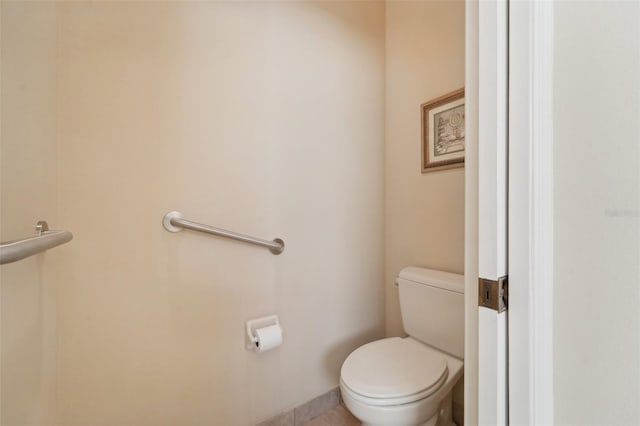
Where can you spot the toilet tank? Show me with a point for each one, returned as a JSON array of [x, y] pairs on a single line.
[[432, 306]]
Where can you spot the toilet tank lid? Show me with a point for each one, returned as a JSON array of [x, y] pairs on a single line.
[[445, 280]]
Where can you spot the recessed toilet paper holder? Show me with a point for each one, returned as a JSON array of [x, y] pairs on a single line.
[[254, 324]]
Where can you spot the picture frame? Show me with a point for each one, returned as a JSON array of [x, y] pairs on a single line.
[[443, 134]]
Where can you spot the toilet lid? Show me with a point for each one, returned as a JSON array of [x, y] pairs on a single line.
[[394, 368]]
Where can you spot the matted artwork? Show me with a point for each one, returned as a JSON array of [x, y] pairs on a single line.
[[443, 132]]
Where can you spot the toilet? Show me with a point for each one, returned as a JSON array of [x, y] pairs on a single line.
[[409, 381]]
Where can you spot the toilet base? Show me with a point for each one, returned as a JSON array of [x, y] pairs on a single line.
[[399, 415]]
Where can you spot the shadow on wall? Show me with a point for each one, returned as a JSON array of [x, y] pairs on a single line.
[[28, 340], [336, 354]]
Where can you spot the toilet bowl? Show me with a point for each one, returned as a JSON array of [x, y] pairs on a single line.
[[409, 381]]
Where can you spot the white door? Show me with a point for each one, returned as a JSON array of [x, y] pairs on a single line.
[[486, 212], [492, 209]]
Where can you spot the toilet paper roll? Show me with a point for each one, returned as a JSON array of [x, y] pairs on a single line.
[[268, 337]]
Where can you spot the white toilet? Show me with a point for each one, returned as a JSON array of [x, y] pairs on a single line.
[[409, 381]]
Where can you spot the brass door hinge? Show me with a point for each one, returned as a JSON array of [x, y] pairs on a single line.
[[494, 294]]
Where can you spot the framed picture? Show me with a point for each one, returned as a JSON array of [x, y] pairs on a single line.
[[443, 132]]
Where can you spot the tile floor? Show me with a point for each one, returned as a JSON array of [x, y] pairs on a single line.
[[339, 416]]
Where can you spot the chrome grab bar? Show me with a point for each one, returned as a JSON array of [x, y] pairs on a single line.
[[44, 239], [173, 222]]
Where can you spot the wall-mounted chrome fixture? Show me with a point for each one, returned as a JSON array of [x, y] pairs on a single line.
[[173, 222], [44, 239]]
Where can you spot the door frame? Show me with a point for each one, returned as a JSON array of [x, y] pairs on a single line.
[[531, 213], [530, 243]]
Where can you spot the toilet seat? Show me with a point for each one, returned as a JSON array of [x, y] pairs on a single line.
[[393, 371]]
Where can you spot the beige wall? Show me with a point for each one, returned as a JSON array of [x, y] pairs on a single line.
[[262, 118], [424, 212], [29, 193], [596, 312]]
